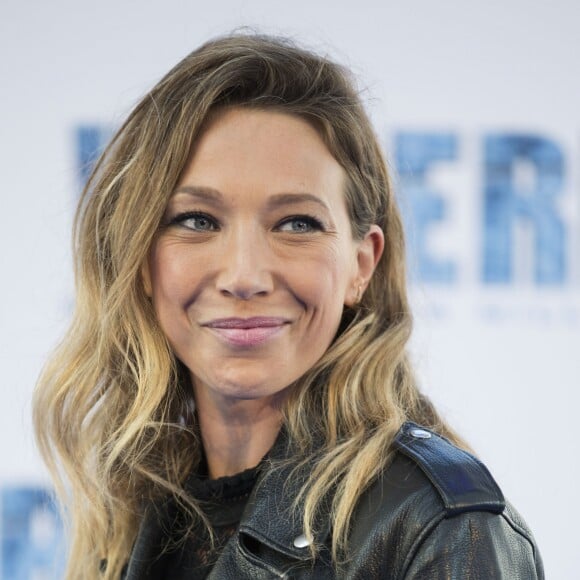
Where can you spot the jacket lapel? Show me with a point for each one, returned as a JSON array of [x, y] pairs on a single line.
[[143, 563]]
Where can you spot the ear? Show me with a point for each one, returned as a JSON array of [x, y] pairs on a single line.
[[146, 278], [368, 254]]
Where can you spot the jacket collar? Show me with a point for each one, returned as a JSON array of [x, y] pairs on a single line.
[[272, 515]]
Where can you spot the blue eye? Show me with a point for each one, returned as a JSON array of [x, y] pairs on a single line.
[[196, 221], [301, 224]]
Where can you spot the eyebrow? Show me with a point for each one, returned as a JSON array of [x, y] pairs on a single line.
[[215, 197], [208, 194], [280, 199]]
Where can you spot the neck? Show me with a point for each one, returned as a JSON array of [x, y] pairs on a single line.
[[236, 433]]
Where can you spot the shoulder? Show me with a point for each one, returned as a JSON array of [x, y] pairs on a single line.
[[461, 481], [428, 469], [437, 507]]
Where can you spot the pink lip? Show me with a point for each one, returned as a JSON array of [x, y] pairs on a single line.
[[247, 331]]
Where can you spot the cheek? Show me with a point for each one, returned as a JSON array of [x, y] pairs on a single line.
[[171, 267], [320, 281], [174, 278]]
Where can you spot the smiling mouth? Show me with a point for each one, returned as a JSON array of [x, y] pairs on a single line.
[[247, 332]]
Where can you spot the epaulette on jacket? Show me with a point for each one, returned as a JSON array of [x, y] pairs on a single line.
[[462, 481]]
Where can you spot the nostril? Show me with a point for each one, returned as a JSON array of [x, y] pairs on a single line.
[[243, 293], [245, 285]]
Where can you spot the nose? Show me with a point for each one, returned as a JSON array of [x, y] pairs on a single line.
[[245, 266]]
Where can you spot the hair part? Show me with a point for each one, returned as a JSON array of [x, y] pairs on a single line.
[[112, 407]]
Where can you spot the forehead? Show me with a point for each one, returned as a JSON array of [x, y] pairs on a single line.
[[262, 151]]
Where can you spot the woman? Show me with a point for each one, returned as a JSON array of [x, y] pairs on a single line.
[[234, 398]]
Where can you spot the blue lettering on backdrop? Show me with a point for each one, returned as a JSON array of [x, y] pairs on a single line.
[[90, 140], [505, 201], [32, 538], [422, 206]]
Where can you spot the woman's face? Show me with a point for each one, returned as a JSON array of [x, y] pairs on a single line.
[[255, 259]]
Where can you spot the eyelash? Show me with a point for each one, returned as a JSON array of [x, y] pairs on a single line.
[[313, 222], [179, 219]]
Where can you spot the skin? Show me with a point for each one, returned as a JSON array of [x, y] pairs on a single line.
[[257, 227]]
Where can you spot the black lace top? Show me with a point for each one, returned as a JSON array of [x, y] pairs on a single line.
[[224, 500]]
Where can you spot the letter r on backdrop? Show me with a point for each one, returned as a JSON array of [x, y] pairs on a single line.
[[507, 200]]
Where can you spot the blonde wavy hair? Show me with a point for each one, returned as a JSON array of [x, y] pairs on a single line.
[[112, 407]]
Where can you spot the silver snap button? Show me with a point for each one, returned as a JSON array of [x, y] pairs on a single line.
[[301, 541], [420, 434]]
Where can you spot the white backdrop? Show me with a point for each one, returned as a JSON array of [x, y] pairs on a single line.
[[500, 359]]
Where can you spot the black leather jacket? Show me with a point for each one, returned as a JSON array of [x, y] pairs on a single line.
[[435, 513]]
